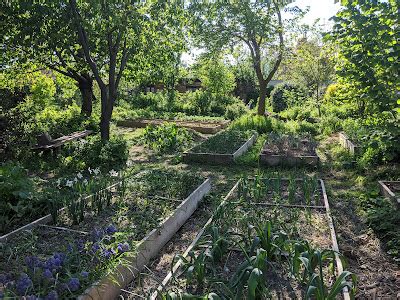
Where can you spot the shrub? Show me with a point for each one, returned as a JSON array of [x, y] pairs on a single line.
[[17, 198], [261, 124], [95, 153], [166, 137], [286, 94], [235, 110]]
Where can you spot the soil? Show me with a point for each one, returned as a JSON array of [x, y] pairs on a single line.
[[394, 187], [284, 147]]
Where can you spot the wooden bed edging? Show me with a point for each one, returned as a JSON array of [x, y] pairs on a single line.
[[348, 144], [178, 264], [387, 192], [110, 286], [47, 218], [218, 158], [210, 128], [335, 246]]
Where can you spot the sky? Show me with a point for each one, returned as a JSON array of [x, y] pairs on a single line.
[[322, 9]]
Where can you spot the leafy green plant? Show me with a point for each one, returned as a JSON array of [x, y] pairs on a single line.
[[285, 95], [261, 124], [225, 142], [166, 137]]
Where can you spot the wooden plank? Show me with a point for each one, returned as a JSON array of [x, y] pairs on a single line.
[[178, 264], [335, 245], [243, 149], [348, 144], [388, 193]]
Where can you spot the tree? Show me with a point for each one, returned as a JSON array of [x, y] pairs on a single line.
[[41, 32], [257, 24], [109, 34], [310, 65], [366, 33]]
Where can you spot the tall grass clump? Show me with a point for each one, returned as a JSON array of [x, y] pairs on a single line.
[[261, 124]]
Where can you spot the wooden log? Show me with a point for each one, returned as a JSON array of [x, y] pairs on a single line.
[[388, 193]]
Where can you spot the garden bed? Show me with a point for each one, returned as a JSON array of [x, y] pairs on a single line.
[[289, 151], [391, 190], [268, 243], [117, 240], [348, 144], [205, 127], [222, 148]]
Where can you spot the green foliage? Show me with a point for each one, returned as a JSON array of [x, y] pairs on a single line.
[[215, 76], [235, 110], [95, 153], [166, 138], [369, 50], [18, 200], [225, 142], [261, 124], [285, 95]]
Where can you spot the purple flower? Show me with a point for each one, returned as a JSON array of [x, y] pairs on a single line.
[[80, 245], [123, 247], [70, 248], [95, 247], [111, 229], [47, 273], [1, 295], [60, 256], [32, 262], [97, 235], [62, 287], [3, 279], [106, 253], [23, 284], [84, 274], [74, 284], [51, 296]]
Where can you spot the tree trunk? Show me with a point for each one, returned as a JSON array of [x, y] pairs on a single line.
[[261, 101], [107, 103], [85, 84]]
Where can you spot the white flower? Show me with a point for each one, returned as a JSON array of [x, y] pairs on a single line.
[[79, 175], [75, 180], [85, 182], [90, 170], [113, 173], [69, 183], [96, 171], [58, 182]]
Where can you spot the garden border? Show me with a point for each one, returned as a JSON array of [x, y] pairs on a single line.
[[110, 286], [348, 144], [335, 246], [47, 218], [218, 158], [387, 192], [141, 123]]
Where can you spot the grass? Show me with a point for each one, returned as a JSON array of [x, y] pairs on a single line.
[[225, 142]]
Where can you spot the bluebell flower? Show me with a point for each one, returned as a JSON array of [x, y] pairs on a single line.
[[74, 284], [3, 278], [51, 296], [97, 235], [80, 245], [123, 247], [107, 253], [95, 247], [60, 256], [47, 273], [23, 284], [84, 274], [70, 248], [32, 262], [111, 229]]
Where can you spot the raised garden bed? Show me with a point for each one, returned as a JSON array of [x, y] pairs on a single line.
[[247, 251], [348, 144], [205, 127], [222, 148], [289, 151], [391, 190], [103, 247]]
